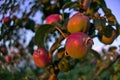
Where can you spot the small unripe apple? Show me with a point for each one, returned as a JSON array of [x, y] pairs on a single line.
[[41, 57], [78, 44], [78, 23], [6, 20], [53, 18]]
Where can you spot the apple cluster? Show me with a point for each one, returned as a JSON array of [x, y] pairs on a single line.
[[77, 45]]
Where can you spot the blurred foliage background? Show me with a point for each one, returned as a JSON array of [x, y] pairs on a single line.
[[17, 20]]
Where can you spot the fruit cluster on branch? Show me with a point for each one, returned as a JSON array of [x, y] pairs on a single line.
[[78, 30], [73, 36]]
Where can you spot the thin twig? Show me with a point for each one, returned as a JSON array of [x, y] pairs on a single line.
[[60, 31]]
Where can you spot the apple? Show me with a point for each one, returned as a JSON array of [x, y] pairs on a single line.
[[78, 44], [8, 58], [7, 20], [41, 57], [78, 23], [107, 36], [53, 18]]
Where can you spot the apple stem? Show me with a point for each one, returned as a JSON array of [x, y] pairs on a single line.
[[60, 31], [57, 27]]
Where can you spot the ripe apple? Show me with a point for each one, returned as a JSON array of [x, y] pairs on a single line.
[[53, 18], [6, 20], [41, 57], [107, 39], [77, 45], [78, 23], [8, 58]]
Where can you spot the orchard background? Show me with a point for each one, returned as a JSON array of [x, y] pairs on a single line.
[[24, 30]]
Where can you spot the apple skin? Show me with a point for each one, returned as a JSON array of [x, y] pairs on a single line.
[[53, 18], [108, 40], [8, 58], [41, 57], [6, 20], [78, 44], [78, 23]]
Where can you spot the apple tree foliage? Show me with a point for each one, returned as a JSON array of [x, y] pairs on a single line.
[[16, 57]]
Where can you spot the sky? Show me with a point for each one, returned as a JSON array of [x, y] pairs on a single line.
[[112, 4]]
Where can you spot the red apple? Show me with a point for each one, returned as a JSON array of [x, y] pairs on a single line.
[[78, 23], [8, 58], [78, 44], [41, 57], [6, 20], [53, 18]]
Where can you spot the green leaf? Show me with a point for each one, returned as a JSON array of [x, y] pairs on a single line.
[[111, 18], [41, 34], [30, 24], [101, 3], [67, 62], [69, 5], [92, 9], [100, 22], [95, 53]]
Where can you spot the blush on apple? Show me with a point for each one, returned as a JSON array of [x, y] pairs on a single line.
[[6, 20], [78, 44], [41, 57], [53, 18], [78, 23], [8, 58]]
